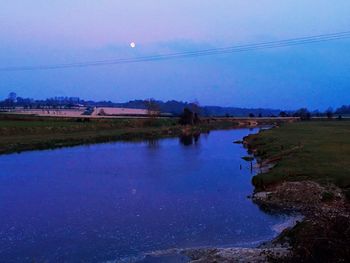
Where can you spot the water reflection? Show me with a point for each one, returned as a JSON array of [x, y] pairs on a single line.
[[118, 200], [153, 143], [185, 139], [192, 138], [189, 139]]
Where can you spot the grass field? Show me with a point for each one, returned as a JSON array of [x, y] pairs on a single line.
[[28, 132], [313, 150], [20, 133]]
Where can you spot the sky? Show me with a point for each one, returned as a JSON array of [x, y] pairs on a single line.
[[40, 32]]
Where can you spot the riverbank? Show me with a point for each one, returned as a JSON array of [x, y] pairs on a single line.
[[22, 132], [305, 168], [118, 200]]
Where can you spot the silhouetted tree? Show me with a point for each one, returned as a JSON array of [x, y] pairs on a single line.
[[283, 114], [195, 107], [152, 108], [12, 97], [187, 117], [329, 113], [102, 112], [316, 113], [345, 109], [303, 114]]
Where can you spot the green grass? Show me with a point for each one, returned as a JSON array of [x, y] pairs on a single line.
[[314, 150], [20, 133], [43, 125], [21, 124]]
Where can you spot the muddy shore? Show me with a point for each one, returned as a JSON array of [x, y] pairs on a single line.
[[324, 233]]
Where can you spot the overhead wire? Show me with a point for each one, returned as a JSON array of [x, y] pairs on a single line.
[[190, 54]]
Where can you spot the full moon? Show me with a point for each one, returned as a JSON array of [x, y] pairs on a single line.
[[132, 44]]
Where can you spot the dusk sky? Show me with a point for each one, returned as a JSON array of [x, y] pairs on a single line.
[[35, 32]]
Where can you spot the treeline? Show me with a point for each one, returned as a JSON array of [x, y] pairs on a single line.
[[345, 109], [305, 114], [172, 107], [27, 103], [176, 108]]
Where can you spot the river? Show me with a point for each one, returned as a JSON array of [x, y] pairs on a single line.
[[116, 201]]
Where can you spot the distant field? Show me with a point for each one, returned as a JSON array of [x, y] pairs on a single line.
[[20, 133], [313, 150], [76, 113]]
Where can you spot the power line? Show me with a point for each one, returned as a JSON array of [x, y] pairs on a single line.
[[190, 54]]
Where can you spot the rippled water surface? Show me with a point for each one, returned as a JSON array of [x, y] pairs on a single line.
[[118, 200]]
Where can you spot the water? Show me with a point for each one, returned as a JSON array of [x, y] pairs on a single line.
[[118, 200]]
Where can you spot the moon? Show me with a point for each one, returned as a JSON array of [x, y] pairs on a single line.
[[132, 45]]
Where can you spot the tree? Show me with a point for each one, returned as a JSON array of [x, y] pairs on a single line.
[[329, 113], [102, 112], [345, 109], [316, 113], [251, 115], [283, 114], [195, 107], [12, 97], [187, 117], [152, 108], [303, 114]]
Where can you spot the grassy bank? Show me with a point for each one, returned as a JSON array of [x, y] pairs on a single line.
[[314, 150], [20, 133], [25, 132], [310, 158]]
